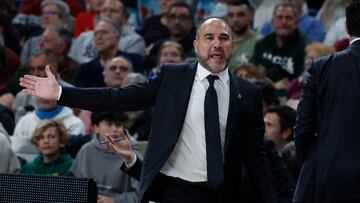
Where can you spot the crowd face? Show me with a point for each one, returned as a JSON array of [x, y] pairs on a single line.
[[50, 40], [273, 128], [95, 5], [37, 66], [114, 10], [311, 54], [214, 45], [49, 143], [116, 71], [284, 21], [50, 15], [239, 18], [180, 22], [106, 128], [170, 54], [104, 37]]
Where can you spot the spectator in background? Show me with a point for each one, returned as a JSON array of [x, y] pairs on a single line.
[[53, 12], [331, 11], [22, 102], [312, 51], [57, 39], [83, 49], [169, 52], [116, 70], [249, 72], [9, 163], [95, 160], [281, 53], [180, 22], [155, 27], [279, 122], [240, 17], [50, 138], [106, 39], [85, 21], [311, 27]]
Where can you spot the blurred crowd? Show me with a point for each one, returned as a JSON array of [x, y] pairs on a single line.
[[117, 43]]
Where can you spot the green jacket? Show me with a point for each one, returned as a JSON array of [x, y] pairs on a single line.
[[281, 62], [59, 167]]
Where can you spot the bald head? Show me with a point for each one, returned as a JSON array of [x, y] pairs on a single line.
[[213, 20]]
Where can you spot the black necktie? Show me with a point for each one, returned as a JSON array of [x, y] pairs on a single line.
[[214, 155]]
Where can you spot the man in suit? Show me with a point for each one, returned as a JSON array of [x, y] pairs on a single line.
[[327, 125], [175, 167]]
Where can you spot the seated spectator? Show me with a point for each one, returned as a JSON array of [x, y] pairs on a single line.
[[23, 102], [96, 160], [240, 18], [46, 109], [281, 53], [312, 51], [249, 72], [114, 73], [9, 163], [106, 39], [279, 123], [57, 39], [83, 49], [85, 21], [180, 21], [53, 12], [311, 27], [169, 52], [50, 138], [154, 28]]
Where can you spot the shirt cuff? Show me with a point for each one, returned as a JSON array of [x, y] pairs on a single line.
[[60, 91], [129, 165]]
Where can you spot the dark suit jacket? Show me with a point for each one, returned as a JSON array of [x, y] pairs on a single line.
[[169, 94], [327, 130]]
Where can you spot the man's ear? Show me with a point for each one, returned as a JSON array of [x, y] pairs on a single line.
[[195, 44], [286, 133]]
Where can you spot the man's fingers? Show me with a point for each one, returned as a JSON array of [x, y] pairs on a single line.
[[48, 72], [29, 78]]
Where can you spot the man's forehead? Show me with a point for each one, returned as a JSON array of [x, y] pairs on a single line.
[[212, 27]]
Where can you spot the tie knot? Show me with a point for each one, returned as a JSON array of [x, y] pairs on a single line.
[[211, 79]]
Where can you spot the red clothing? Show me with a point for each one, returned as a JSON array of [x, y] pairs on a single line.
[[33, 7], [9, 63], [83, 22]]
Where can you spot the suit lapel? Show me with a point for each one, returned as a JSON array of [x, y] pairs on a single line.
[[184, 86], [235, 108]]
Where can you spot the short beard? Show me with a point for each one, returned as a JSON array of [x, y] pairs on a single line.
[[202, 61]]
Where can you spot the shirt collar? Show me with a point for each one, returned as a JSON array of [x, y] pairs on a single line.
[[354, 40], [202, 73]]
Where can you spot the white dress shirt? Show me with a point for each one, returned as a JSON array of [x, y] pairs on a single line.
[[188, 159]]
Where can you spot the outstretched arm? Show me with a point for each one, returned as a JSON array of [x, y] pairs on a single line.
[[46, 88]]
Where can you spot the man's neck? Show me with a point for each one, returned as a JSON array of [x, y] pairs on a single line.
[[281, 41]]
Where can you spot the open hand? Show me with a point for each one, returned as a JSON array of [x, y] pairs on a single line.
[[46, 88]]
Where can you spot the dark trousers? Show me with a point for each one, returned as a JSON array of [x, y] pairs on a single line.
[[176, 190]]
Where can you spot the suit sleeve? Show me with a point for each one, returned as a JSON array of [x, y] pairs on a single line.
[[132, 98], [305, 125]]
